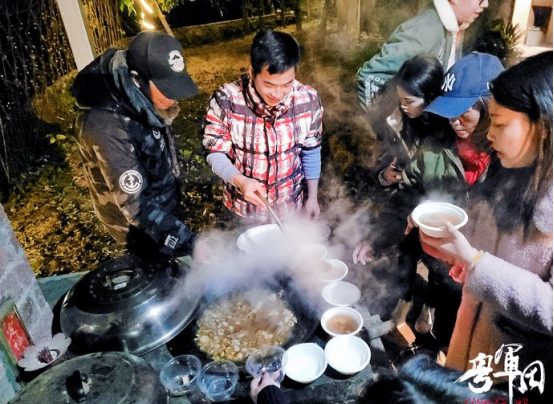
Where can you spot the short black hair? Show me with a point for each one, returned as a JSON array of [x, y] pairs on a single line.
[[276, 50]]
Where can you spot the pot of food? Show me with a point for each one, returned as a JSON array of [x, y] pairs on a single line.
[[127, 304], [98, 378], [233, 325]]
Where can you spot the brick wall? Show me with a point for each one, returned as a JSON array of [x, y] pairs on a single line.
[[18, 283]]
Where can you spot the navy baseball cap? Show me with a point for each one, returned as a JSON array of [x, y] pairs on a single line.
[[159, 57], [464, 83]]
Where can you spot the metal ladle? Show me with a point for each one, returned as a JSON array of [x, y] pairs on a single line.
[[278, 222]]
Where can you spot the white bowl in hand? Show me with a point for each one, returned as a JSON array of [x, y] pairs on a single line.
[[347, 354], [431, 218]]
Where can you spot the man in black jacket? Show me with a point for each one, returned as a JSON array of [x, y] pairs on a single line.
[[127, 144]]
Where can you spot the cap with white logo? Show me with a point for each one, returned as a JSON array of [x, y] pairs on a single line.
[[464, 83], [159, 57]]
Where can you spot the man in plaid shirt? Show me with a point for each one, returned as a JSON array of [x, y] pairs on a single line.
[[263, 133]]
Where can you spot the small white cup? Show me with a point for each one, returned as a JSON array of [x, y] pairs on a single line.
[[342, 321], [306, 362], [347, 354]]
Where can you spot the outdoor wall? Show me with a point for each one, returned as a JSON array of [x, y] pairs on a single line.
[[6, 389], [18, 283]]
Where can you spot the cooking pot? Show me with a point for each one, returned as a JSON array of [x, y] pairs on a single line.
[[98, 378], [304, 311], [127, 304]]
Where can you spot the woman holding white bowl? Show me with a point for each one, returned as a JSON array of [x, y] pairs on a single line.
[[450, 168], [503, 256]]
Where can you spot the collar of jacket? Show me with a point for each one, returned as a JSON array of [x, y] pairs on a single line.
[[136, 99], [447, 16], [453, 156], [255, 103]]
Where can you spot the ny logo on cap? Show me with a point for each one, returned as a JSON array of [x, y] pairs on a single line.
[[176, 61], [448, 82]]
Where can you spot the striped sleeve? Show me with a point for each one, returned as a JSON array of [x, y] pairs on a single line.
[[217, 135], [313, 140]]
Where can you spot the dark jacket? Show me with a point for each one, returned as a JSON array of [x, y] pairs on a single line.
[[272, 395], [129, 159], [436, 172]]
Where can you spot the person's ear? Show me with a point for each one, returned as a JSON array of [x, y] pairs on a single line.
[[251, 72]]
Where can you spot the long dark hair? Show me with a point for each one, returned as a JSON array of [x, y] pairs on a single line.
[[422, 77], [480, 133], [527, 88]]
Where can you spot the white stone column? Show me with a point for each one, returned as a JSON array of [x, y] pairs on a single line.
[[6, 389], [80, 40], [19, 285]]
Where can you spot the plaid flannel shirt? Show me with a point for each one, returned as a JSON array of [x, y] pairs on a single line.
[[264, 147]]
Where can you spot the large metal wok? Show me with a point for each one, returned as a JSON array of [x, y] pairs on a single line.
[[303, 310]]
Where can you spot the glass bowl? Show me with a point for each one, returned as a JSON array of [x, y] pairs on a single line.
[[179, 374], [218, 379], [270, 359]]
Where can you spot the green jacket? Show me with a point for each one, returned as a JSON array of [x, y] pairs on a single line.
[[430, 32], [435, 173]]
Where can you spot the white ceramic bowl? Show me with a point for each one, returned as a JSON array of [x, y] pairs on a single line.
[[341, 293], [311, 231], [340, 321], [347, 354], [264, 241], [305, 362], [332, 271], [313, 251], [322, 231], [431, 217]]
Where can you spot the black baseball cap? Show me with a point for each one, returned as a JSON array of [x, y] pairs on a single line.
[[159, 57]]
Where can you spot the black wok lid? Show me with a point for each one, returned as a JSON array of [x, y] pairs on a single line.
[[127, 304]]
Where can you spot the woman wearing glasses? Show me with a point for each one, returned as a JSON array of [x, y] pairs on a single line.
[[504, 256]]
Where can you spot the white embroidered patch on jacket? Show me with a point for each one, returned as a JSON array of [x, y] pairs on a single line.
[[171, 241], [130, 181]]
